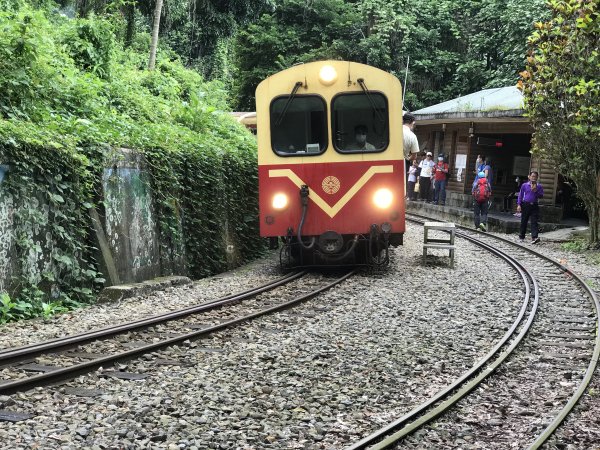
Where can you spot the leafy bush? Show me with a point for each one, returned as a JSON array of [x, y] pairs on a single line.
[[90, 43], [576, 245], [69, 93]]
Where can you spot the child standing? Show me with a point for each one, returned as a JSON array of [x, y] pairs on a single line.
[[412, 179]]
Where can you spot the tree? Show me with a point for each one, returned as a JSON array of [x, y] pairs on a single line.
[[562, 93], [155, 28], [297, 31], [455, 46]]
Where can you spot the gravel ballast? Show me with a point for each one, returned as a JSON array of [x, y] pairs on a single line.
[[321, 375]]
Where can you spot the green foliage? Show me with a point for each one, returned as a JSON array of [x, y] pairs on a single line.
[[577, 245], [90, 44], [49, 309], [455, 46], [69, 93], [295, 32], [562, 94], [49, 184], [10, 310]]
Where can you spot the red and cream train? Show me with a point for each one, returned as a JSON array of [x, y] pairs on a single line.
[[331, 166]]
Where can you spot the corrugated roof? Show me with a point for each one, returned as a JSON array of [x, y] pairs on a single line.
[[488, 100]]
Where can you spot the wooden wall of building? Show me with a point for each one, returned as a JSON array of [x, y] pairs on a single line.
[[454, 139], [548, 178]]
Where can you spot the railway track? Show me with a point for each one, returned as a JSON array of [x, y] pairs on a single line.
[[65, 358], [559, 319]]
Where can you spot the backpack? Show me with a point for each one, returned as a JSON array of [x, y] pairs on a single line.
[[482, 191]]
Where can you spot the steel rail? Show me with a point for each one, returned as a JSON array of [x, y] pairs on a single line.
[[589, 373], [67, 373], [465, 383], [12, 355]]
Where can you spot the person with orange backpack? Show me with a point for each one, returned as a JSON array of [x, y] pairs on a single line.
[[482, 192]]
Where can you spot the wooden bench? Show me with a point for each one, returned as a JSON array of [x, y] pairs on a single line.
[[437, 243]]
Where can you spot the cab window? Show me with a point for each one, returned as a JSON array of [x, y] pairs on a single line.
[[360, 122], [298, 125]]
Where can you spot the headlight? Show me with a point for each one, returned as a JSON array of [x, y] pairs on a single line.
[[383, 198], [327, 75], [280, 201]]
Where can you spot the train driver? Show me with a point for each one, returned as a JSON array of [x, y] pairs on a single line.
[[360, 139]]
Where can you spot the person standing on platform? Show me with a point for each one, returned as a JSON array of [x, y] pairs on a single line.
[[426, 167], [411, 143], [527, 205], [483, 164], [440, 178], [482, 191], [413, 172]]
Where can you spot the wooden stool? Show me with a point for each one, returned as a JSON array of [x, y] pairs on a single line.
[[444, 244]]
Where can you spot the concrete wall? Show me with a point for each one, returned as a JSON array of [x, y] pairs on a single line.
[[6, 232], [129, 220], [126, 228], [33, 215]]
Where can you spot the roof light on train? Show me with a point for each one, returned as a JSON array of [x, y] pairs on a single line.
[[383, 198], [280, 201], [327, 75]]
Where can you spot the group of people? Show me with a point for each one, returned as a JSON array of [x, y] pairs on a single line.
[[429, 179], [528, 196], [430, 176]]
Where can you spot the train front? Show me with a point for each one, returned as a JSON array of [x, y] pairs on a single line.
[[331, 167]]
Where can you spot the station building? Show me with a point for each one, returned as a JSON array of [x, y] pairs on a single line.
[[490, 122]]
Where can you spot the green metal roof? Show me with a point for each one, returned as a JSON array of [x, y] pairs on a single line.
[[505, 101]]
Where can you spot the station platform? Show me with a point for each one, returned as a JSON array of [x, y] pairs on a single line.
[[458, 210]]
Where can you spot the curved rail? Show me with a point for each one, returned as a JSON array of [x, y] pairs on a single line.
[[469, 380], [583, 385], [75, 370]]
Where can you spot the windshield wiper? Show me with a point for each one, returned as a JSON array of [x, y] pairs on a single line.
[[287, 104], [361, 82]]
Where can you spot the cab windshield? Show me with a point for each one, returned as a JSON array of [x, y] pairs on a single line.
[[360, 122], [299, 125]]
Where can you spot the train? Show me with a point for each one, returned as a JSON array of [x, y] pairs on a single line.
[[331, 167]]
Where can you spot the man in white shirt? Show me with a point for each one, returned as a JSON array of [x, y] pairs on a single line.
[[411, 144], [425, 177]]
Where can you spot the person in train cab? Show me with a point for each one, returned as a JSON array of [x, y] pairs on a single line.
[[440, 178], [527, 205], [507, 201], [482, 191], [425, 177], [360, 139]]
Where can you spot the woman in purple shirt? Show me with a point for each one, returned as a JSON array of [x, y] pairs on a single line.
[[527, 205]]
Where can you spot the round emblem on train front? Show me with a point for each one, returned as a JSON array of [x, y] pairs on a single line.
[[331, 185]]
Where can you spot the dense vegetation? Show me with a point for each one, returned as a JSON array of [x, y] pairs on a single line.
[[455, 47], [452, 47], [69, 93], [562, 91]]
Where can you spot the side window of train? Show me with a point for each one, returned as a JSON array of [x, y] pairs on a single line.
[[299, 125], [360, 122]]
